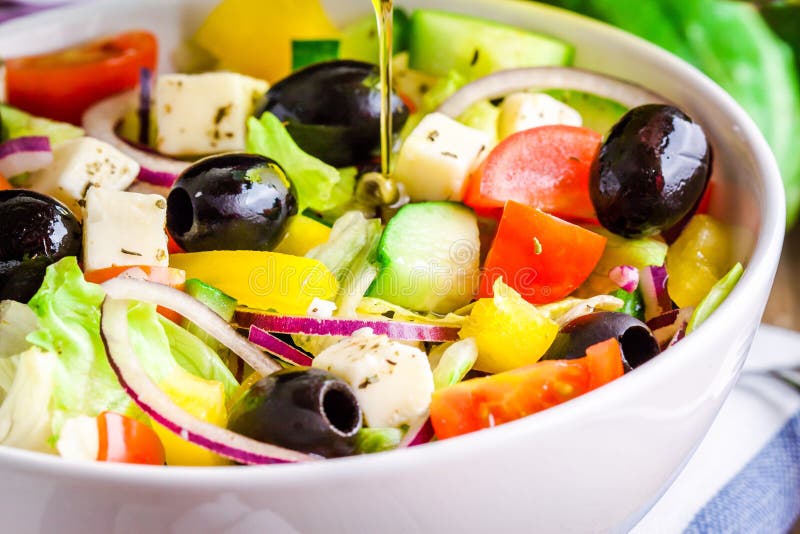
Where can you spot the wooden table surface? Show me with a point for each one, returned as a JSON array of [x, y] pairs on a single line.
[[783, 308]]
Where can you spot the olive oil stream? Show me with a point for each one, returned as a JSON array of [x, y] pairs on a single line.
[[383, 14]]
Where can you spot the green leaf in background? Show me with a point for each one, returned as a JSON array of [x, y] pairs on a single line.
[[733, 44]]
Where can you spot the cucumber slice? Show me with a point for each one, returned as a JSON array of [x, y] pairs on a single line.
[[441, 42], [360, 39], [221, 303], [429, 256], [598, 113], [17, 123], [308, 52]]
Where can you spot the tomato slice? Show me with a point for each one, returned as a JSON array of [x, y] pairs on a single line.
[[540, 256], [125, 440], [168, 276], [486, 402], [546, 167], [62, 85], [4, 184]]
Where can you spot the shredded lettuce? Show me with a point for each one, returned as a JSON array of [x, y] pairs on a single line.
[[17, 123], [16, 322], [719, 292], [319, 186], [371, 306], [633, 302], [455, 363]]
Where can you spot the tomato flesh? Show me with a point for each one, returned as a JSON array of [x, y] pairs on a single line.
[[493, 400], [541, 256], [4, 184], [62, 85], [125, 440], [546, 167]]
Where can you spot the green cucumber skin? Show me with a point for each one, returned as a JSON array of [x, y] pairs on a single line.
[[429, 257], [221, 303], [360, 39], [441, 42], [598, 113]]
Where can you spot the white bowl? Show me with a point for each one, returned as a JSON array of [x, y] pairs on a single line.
[[596, 463]]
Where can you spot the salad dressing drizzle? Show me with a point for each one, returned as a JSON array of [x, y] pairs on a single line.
[[383, 14]]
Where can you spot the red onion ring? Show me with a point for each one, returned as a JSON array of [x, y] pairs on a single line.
[[278, 348]]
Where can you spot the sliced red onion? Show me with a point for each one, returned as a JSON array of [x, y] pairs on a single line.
[[625, 276], [278, 347], [653, 284], [668, 326], [145, 92], [509, 81], [161, 179], [419, 433], [158, 405], [101, 120], [195, 311], [336, 326], [24, 154]]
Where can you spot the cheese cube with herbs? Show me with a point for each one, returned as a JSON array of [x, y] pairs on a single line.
[[392, 381], [122, 228], [437, 158], [198, 114], [523, 111], [82, 163]]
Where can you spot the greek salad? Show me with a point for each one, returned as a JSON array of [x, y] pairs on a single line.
[[207, 267]]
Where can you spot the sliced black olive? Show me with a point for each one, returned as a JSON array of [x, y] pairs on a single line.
[[304, 409], [636, 339], [230, 202], [332, 110], [35, 231], [651, 171]]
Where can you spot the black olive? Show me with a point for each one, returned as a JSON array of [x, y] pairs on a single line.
[[332, 110], [650, 172], [635, 338], [35, 231], [230, 202], [304, 409]]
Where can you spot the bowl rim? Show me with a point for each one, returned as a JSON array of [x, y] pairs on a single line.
[[763, 262]]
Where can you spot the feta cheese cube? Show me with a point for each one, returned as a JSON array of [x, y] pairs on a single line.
[[206, 113], [392, 381], [122, 228], [437, 157], [82, 163], [523, 111]]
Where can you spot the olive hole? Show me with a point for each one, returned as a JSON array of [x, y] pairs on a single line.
[[180, 212], [638, 346], [341, 409]]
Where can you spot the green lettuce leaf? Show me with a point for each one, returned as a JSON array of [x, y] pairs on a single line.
[[319, 186], [68, 309], [371, 440]]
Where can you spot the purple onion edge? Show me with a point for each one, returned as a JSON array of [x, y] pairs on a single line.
[[345, 327], [281, 349], [20, 145]]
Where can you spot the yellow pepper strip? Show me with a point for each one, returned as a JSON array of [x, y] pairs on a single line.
[[261, 280], [302, 234], [204, 399], [254, 37], [510, 331]]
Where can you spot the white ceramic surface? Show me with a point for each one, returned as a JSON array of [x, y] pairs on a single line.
[[594, 464]]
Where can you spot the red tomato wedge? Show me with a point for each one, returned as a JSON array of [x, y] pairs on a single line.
[[4, 184], [541, 256], [168, 276], [493, 400], [125, 440], [546, 167], [62, 85]]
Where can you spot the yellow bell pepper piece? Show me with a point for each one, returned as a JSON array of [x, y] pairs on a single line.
[[254, 37], [261, 280], [701, 255], [204, 399], [302, 234], [510, 331]]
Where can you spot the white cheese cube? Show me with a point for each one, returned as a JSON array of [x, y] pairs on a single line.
[[82, 163], [122, 228], [437, 157], [392, 381], [207, 113], [523, 111]]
